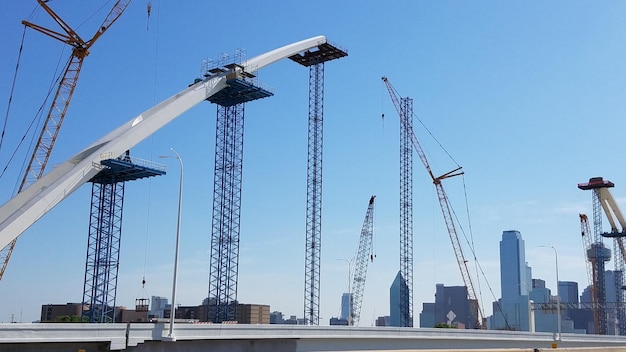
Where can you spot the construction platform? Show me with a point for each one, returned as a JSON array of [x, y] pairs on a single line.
[[239, 91], [124, 168], [325, 52]]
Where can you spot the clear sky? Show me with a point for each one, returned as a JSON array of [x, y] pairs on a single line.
[[527, 96]]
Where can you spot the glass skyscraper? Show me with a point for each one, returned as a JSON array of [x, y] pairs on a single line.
[[395, 307], [513, 311], [346, 306], [515, 275]]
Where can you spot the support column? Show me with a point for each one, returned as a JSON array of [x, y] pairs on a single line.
[[105, 233], [314, 194], [226, 213], [314, 60], [406, 214], [103, 252]]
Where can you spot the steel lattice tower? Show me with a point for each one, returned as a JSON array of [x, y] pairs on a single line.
[[618, 257], [226, 212], [406, 214], [103, 252], [315, 60], [600, 262], [224, 270], [105, 234], [314, 194]]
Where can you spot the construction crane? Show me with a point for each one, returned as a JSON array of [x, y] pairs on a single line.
[[62, 98], [602, 198], [591, 250], [364, 255], [445, 208]]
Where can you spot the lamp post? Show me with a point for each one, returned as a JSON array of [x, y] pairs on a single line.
[[558, 296], [170, 335]]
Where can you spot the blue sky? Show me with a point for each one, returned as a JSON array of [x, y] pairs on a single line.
[[525, 95]]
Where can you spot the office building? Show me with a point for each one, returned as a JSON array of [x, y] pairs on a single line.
[[452, 307], [60, 312], [513, 309], [382, 321], [397, 308], [568, 291], [427, 316], [253, 314], [538, 283], [158, 305], [347, 306]]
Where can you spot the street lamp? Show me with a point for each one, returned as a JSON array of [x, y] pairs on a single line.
[[170, 335], [558, 296]]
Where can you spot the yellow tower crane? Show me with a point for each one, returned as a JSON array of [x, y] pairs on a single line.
[[62, 98]]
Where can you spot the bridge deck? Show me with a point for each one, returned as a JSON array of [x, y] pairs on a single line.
[[217, 337]]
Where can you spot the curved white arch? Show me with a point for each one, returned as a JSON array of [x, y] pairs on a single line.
[[23, 210]]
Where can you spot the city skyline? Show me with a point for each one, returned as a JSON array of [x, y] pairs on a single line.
[[509, 89]]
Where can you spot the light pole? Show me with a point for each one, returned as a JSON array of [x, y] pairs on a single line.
[[558, 296], [170, 335]]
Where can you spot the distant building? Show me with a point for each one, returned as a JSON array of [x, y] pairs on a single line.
[[397, 309], [253, 314], [276, 317], [347, 307], [427, 316], [158, 305], [451, 307], [568, 291], [382, 321], [123, 315], [72, 312], [538, 283], [338, 321], [614, 293], [55, 312], [512, 311], [198, 313]]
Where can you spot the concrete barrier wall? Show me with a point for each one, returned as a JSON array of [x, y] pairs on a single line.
[[290, 338]]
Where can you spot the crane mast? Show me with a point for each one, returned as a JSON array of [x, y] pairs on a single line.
[[63, 96], [445, 208], [364, 255], [590, 249], [603, 201]]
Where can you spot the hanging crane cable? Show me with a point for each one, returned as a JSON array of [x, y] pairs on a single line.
[[17, 66]]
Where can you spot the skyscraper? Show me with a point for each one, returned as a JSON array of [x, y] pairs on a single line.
[[395, 307], [346, 306], [568, 291], [515, 283], [515, 275]]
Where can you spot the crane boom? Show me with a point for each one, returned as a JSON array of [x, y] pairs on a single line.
[[445, 209], [364, 255], [63, 96]]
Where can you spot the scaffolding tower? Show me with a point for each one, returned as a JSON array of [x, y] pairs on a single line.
[[314, 60], [224, 269], [406, 214], [599, 253], [105, 233]]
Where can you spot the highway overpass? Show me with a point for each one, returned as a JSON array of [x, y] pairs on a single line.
[[148, 337]]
